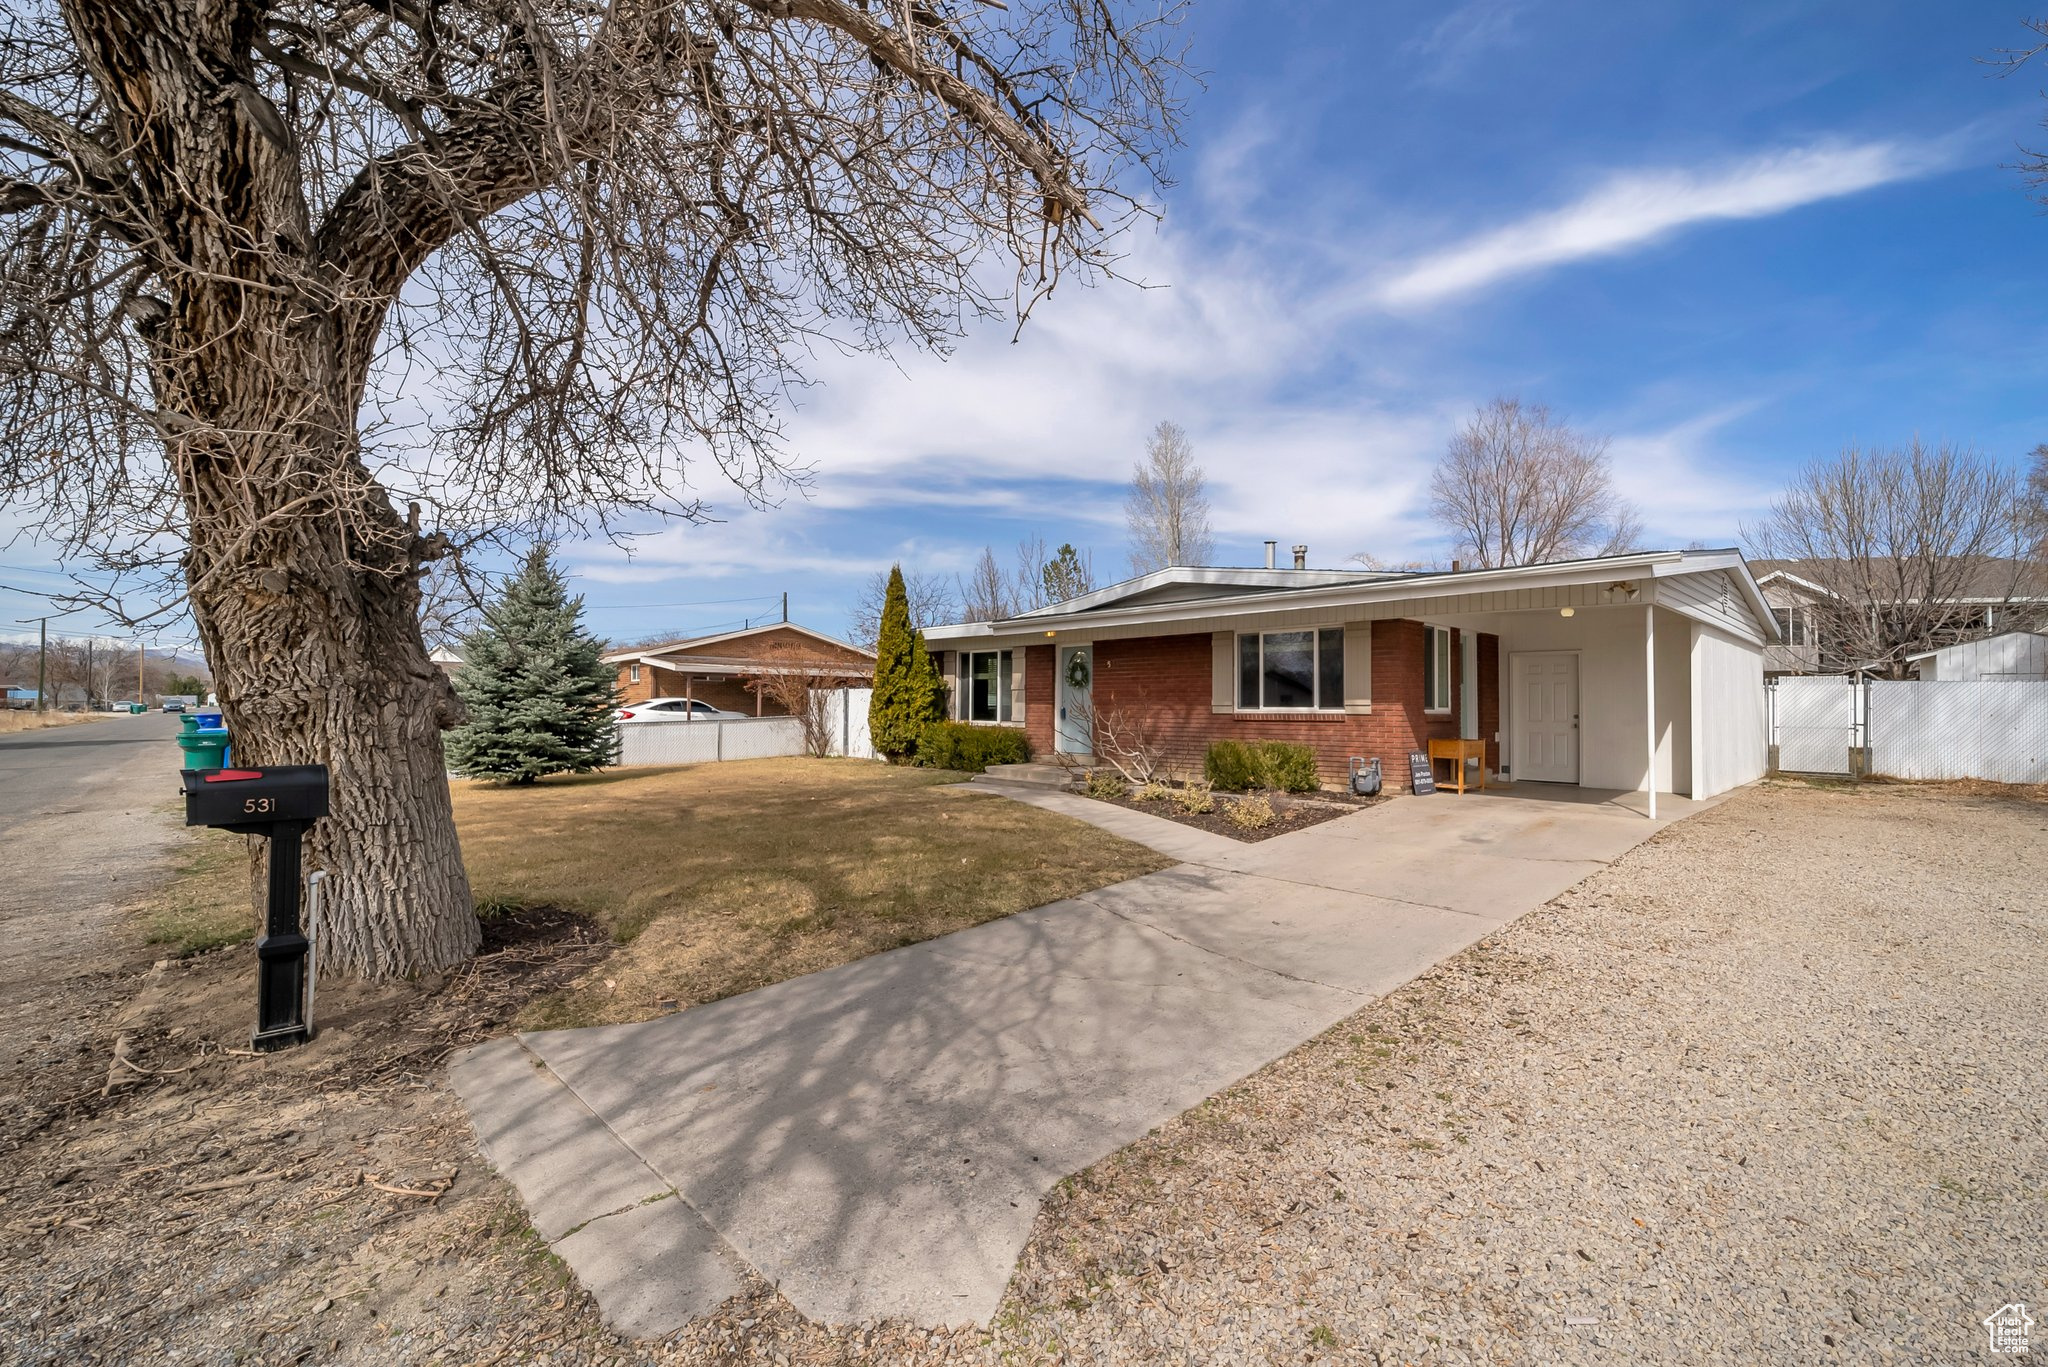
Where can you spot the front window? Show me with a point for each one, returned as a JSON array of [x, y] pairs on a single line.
[[985, 685], [1436, 671], [633, 673], [1290, 671], [1791, 625]]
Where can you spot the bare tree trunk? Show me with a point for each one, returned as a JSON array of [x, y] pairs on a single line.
[[318, 657]]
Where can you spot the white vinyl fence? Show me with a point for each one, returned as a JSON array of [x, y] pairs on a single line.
[[1815, 722], [684, 741], [1989, 730], [1992, 730]]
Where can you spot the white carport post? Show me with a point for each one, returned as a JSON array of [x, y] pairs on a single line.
[[1650, 697]]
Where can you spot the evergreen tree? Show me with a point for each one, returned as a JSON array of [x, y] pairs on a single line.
[[539, 696], [908, 690]]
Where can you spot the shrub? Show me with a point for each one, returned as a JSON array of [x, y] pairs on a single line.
[[1231, 766], [1195, 800], [1290, 768], [1235, 766], [1155, 791], [1253, 813], [970, 749], [1107, 784]]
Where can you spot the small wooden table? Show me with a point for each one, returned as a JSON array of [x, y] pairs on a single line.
[[1458, 751]]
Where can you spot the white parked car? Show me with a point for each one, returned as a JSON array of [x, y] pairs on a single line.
[[674, 709]]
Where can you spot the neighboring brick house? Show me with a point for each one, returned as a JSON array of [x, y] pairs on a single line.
[[1625, 667], [721, 669]]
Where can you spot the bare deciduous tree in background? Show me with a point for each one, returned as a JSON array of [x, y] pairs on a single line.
[[1909, 545], [240, 241], [932, 603], [986, 593], [1519, 487], [2037, 506], [1167, 510]]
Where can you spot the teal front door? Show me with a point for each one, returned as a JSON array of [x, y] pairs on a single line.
[[1076, 733]]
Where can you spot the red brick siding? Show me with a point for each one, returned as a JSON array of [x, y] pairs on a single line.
[[1489, 698], [1041, 693], [1167, 679], [732, 694]]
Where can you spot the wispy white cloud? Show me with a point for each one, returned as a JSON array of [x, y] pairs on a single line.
[[1455, 41], [1637, 208]]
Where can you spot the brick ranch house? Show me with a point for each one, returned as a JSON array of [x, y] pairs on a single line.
[[1610, 673], [721, 669]]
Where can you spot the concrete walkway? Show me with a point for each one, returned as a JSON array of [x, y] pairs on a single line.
[[875, 1139]]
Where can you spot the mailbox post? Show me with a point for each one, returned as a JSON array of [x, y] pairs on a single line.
[[279, 803]]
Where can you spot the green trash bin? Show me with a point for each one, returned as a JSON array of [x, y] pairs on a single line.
[[136, 709], [205, 747]]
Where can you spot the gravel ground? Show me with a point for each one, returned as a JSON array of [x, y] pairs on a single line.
[[1767, 1090]]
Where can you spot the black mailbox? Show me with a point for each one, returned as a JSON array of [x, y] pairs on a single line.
[[253, 800], [278, 802]]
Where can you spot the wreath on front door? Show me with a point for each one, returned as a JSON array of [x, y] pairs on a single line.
[[1077, 671]]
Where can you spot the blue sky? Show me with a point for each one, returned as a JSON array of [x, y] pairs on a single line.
[[1732, 237]]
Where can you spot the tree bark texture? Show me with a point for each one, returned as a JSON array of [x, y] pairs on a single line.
[[303, 579]]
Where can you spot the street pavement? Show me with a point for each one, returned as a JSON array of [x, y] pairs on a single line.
[[874, 1140], [86, 814]]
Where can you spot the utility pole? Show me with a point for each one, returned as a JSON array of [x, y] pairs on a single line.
[[141, 654], [43, 664], [88, 673], [785, 607]]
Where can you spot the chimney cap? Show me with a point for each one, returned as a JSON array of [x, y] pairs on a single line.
[[1300, 556]]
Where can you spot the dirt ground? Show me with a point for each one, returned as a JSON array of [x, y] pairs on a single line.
[[1628, 1105]]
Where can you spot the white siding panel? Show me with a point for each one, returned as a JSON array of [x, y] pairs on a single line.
[[1358, 666], [1223, 672], [2004, 659], [1730, 731], [1711, 597]]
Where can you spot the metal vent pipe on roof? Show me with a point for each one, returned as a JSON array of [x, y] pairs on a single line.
[[1301, 557], [1272, 551]]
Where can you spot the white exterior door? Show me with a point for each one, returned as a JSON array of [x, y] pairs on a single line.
[[1074, 732], [1545, 687]]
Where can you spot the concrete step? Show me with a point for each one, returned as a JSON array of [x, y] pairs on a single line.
[[1034, 775]]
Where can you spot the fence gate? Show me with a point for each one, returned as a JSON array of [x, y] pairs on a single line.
[[1814, 723]]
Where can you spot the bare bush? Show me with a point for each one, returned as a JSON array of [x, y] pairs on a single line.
[[1124, 740], [801, 684]]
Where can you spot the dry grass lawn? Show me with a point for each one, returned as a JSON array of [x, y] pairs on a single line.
[[720, 878], [28, 719]]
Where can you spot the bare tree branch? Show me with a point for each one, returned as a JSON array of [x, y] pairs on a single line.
[[1519, 487]]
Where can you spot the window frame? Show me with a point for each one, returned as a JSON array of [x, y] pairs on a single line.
[[632, 673], [1794, 626], [1439, 676], [1326, 646], [1001, 685]]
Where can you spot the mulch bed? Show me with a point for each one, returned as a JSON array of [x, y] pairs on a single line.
[[1292, 813]]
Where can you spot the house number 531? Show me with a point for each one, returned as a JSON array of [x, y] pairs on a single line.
[[259, 804]]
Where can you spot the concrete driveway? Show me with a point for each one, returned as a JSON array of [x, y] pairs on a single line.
[[875, 1139]]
